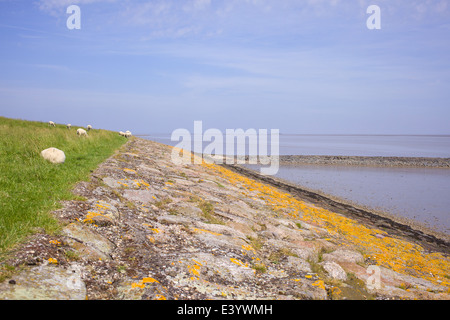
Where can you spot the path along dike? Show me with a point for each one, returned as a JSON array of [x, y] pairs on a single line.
[[146, 228]]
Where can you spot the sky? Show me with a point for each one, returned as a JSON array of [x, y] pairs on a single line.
[[306, 67]]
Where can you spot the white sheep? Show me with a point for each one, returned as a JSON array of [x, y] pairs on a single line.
[[89, 127], [121, 133], [128, 134], [82, 132], [53, 155], [51, 124], [69, 126]]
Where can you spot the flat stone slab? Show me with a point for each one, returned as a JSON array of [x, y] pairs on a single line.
[[45, 282], [88, 241]]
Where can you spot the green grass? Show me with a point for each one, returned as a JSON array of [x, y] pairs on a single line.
[[30, 187]]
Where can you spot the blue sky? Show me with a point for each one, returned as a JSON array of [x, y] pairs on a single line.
[[308, 67]]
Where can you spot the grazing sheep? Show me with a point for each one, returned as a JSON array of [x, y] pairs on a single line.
[[53, 155], [69, 126], [121, 133], [81, 132], [89, 127], [51, 124], [128, 134]]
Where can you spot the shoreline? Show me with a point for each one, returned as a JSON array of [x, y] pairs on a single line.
[[370, 161], [400, 226], [358, 161], [143, 227]]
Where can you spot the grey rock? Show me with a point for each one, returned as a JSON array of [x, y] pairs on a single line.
[[298, 264], [334, 270], [344, 255], [88, 241], [45, 282]]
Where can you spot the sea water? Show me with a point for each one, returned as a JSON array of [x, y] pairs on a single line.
[[418, 194], [351, 145]]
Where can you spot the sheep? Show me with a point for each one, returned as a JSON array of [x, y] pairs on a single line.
[[53, 155], [51, 124], [125, 134], [69, 126], [89, 127], [82, 132]]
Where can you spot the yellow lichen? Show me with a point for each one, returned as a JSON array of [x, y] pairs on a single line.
[[91, 215], [239, 262], [319, 283], [145, 183], [141, 284], [194, 269], [149, 280], [206, 231], [122, 183], [138, 285], [248, 248], [398, 255]]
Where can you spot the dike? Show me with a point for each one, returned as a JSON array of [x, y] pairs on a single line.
[[149, 229]]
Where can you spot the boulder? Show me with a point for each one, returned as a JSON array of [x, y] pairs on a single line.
[[334, 270], [343, 255], [53, 155]]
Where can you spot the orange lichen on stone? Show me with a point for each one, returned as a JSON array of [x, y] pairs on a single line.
[[149, 280], [194, 269], [122, 183], [144, 183], [141, 284], [130, 170], [55, 242], [206, 231], [319, 283], [91, 215], [248, 248], [398, 255], [239, 262]]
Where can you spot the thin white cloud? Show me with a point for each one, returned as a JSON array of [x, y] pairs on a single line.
[[173, 19], [197, 5], [54, 7], [53, 67]]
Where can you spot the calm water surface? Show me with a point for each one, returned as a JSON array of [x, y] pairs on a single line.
[[366, 145], [420, 194], [351, 145]]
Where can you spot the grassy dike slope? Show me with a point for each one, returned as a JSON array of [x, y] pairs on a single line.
[[31, 187]]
